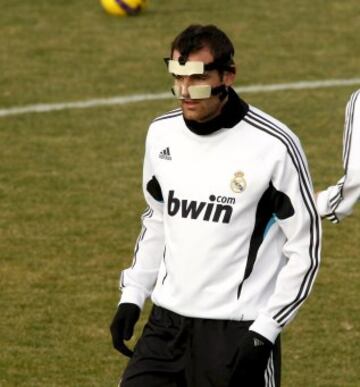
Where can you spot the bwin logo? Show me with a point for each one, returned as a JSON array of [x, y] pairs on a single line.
[[212, 211]]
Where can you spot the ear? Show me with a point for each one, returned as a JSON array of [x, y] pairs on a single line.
[[229, 77]]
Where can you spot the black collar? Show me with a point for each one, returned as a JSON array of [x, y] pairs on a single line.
[[231, 114]]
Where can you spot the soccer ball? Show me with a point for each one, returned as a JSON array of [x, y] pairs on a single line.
[[123, 7]]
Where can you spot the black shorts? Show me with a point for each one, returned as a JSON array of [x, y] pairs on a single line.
[[177, 351]]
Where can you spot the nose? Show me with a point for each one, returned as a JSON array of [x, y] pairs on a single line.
[[184, 87]]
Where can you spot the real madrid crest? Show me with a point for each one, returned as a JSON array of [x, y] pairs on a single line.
[[238, 182]]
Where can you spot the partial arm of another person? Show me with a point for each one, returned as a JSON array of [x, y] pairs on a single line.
[[338, 201]]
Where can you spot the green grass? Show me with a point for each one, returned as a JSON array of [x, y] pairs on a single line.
[[70, 181]]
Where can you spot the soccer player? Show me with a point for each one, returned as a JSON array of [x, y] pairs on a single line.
[[337, 202], [230, 243]]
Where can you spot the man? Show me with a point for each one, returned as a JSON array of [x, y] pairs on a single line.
[[337, 202], [229, 248]]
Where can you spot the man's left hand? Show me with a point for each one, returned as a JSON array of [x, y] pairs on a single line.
[[252, 357]]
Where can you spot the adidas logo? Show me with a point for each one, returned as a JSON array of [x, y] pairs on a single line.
[[165, 154]]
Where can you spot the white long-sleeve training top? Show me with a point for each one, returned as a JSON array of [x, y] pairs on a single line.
[[337, 201], [231, 230]]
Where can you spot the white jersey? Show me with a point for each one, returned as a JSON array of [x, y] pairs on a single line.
[[337, 201], [231, 231]]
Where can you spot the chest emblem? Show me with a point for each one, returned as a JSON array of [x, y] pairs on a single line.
[[238, 183]]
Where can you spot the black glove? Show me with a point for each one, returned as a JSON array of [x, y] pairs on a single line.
[[122, 326], [251, 359]]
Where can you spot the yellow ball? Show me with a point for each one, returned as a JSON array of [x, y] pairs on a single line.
[[123, 7]]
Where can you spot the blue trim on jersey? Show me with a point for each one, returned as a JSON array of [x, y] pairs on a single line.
[[272, 220]]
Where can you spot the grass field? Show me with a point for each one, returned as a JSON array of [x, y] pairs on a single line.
[[70, 181]]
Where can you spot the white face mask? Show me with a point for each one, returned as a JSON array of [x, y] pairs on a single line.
[[189, 68], [194, 92]]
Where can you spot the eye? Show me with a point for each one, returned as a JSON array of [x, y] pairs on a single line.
[[178, 77], [199, 77]]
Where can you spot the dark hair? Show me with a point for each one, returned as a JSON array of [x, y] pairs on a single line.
[[196, 36]]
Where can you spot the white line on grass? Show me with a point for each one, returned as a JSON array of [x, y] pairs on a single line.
[[49, 107]]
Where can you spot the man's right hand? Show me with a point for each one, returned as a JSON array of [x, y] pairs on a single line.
[[122, 326]]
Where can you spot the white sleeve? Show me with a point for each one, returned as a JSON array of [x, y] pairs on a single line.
[[297, 217], [337, 201], [138, 281]]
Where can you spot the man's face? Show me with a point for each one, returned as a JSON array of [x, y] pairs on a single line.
[[201, 110]]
